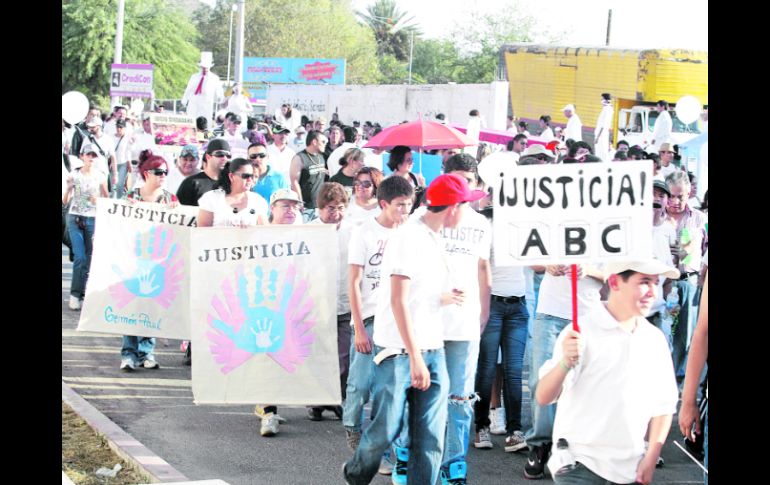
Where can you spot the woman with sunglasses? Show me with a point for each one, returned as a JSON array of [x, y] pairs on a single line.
[[84, 185], [153, 169], [232, 203], [364, 203]]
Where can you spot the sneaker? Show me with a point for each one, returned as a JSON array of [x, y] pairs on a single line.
[[515, 442], [345, 473], [483, 440], [497, 416], [150, 364], [535, 467], [386, 467], [127, 365], [660, 462], [352, 438], [398, 477], [315, 414], [74, 303], [269, 425], [456, 474]]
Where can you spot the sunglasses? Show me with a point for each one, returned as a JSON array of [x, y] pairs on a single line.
[[245, 176], [364, 183], [257, 155], [159, 171], [221, 153]]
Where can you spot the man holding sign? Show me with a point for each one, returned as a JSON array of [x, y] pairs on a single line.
[[612, 379]]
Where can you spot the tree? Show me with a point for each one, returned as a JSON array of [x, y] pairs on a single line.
[[294, 28], [381, 17], [153, 33], [436, 61]]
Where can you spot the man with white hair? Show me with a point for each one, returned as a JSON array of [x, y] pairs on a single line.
[[204, 90], [574, 128]]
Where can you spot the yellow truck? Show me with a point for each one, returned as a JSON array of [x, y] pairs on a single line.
[[545, 78]]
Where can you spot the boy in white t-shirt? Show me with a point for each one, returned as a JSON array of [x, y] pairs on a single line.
[[613, 380], [367, 248], [409, 339]]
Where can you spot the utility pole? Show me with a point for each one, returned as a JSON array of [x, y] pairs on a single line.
[[239, 43], [609, 24], [118, 58]]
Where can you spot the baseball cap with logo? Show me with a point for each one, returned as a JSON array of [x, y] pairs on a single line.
[[284, 194], [448, 189], [189, 151], [120, 123], [651, 267], [95, 121], [278, 128]]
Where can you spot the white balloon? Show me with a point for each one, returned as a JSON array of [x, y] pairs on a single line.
[[74, 107], [688, 109], [137, 106]]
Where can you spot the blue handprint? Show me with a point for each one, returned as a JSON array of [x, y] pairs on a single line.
[[154, 275], [263, 329]]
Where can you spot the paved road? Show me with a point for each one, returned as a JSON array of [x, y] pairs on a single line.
[[205, 442]]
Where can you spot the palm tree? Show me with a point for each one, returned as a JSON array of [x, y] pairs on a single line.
[[382, 17]]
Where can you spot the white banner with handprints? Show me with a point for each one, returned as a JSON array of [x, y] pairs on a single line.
[[570, 213], [138, 283], [263, 306]]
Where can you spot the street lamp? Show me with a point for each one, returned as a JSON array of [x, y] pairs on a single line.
[[230, 42]]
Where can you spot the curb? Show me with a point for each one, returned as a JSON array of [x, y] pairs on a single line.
[[122, 443]]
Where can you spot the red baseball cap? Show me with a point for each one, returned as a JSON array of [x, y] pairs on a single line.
[[449, 189]]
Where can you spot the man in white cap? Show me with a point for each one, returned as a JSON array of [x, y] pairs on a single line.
[[203, 90], [612, 380], [574, 128]]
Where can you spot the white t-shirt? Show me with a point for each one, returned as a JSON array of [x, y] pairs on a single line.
[[547, 134], [84, 188], [508, 280], [280, 161], [122, 149], [465, 245], [343, 242], [142, 141], [356, 215], [367, 247], [107, 144], [622, 381], [372, 159], [333, 163], [555, 297], [666, 171], [175, 178], [663, 237], [574, 128], [414, 251], [661, 132], [214, 201]]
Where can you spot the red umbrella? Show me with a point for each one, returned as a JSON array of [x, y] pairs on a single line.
[[427, 135]]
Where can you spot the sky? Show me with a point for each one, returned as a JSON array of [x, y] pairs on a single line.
[[636, 24]]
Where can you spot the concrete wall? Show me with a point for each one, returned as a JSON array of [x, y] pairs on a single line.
[[391, 104]]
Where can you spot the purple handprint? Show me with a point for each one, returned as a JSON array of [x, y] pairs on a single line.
[[158, 273], [242, 330]]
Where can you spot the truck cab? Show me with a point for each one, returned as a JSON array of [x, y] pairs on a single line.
[[635, 126]]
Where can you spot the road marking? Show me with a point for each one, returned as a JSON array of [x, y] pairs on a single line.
[[130, 380], [133, 388]]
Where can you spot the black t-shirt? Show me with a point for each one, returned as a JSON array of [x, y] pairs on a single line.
[[193, 187], [342, 179]]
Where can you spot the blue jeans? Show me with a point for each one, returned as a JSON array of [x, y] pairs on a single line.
[[686, 326], [506, 329], [461, 359], [120, 189], [544, 333], [138, 349], [360, 378], [427, 416], [82, 247], [580, 475]]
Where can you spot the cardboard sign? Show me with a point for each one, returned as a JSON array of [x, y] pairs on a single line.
[[571, 213], [139, 278], [264, 322], [171, 129]]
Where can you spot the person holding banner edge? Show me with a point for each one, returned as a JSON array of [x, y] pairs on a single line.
[[599, 429]]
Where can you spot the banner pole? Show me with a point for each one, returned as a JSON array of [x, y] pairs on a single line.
[[573, 272]]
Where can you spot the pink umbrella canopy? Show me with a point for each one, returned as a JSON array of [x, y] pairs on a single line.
[[427, 135]]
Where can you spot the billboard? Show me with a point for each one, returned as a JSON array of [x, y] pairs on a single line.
[[259, 72], [133, 80]]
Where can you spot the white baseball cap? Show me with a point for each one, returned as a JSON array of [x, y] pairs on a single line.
[[569, 107]]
